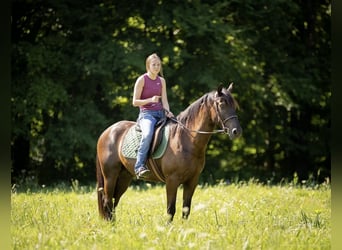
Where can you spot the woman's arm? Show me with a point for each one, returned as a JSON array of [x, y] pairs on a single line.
[[165, 101]]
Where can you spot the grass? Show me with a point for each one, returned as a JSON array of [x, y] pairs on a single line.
[[238, 216]]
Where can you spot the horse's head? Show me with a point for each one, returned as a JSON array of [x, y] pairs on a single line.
[[225, 107]]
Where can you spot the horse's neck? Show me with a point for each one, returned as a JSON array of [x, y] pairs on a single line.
[[201, 122]]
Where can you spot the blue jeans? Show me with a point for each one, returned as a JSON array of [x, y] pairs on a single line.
[[147, 120]]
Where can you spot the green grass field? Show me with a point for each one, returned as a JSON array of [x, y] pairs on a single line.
[[238, 216]]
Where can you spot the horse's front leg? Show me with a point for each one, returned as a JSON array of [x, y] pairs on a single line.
[[188, 191], [171, 195]]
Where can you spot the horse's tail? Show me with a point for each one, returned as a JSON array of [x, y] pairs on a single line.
[[100, 185]]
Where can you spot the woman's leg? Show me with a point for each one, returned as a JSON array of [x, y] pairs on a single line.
[[147, 123]]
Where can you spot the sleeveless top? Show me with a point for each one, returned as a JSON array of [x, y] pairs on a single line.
[[151, 88]]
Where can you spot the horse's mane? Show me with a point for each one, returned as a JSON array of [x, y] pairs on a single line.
[[193, 110]]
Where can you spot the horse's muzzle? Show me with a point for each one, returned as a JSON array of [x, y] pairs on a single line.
[[233, 133]]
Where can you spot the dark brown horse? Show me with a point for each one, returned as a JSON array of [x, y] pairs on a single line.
[[183, 160]]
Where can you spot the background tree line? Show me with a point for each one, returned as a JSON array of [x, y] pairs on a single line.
[[74, 64]]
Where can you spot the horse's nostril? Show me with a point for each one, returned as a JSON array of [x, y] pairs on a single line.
[[234, 131]]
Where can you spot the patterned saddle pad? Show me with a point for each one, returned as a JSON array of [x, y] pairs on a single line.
[[132, 140]]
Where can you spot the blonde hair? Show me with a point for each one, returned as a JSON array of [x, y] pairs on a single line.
[[149, 59]]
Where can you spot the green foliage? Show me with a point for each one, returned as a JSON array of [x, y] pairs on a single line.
[[74, 64], [239, 216]]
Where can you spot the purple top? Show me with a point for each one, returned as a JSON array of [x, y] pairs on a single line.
[[151, 88]]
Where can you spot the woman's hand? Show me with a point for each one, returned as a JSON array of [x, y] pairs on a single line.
[[155, 98], [169, 114]]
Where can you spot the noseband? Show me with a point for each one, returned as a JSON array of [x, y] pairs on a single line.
[[224, 128]]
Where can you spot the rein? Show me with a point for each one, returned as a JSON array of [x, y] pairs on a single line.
[[205, 132]]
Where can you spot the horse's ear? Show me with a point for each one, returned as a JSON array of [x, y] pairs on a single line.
[[219, 90], [230, 88]]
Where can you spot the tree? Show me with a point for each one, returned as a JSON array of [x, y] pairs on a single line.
[[74, 65]]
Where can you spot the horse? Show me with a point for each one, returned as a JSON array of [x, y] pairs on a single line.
[[184, 157]]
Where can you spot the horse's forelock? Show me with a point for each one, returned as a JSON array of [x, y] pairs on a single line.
[[230, 99]]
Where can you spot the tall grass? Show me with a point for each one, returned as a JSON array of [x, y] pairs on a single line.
[[247, 216]]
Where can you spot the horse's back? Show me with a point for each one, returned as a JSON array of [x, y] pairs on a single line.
[[110, 139], [116, 128]]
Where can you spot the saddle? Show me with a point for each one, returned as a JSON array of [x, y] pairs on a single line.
[[157, 136], [158, 145]]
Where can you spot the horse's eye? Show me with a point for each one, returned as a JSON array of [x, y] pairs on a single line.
[[222, 101]]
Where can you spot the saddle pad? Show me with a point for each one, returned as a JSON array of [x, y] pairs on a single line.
[[132, 140]]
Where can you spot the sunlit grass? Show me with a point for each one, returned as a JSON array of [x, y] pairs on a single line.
[[250, 216]]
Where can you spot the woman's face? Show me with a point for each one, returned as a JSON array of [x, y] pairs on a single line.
[[154, 66]]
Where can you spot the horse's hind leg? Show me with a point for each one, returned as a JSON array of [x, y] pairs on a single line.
[[111, 173], [109, 186], [123, 182]]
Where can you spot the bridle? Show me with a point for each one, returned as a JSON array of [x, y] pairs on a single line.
[[216, 131], [223, 121]]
